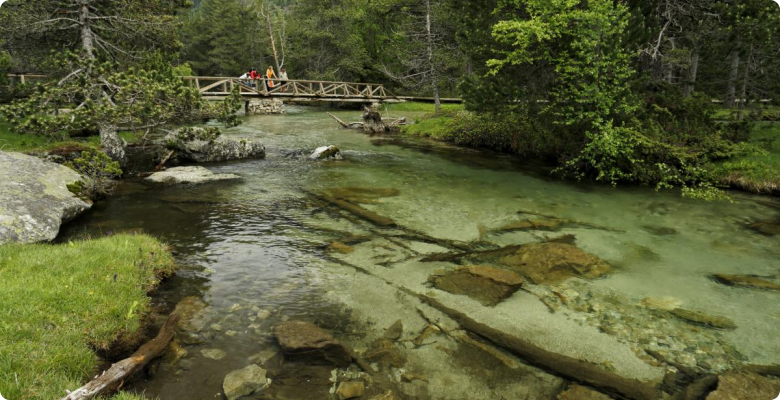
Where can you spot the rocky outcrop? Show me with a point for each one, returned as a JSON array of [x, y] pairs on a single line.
[[245, 381], [34, 198], [485, 284], [555, 262], [326, 152], [264, 107], [745, 385], [208, 145], [306, 341], [188, 175]]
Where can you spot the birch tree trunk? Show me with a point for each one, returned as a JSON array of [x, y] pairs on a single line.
[[431, 65]]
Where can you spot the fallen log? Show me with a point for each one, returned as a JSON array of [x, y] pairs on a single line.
[[165, 160], [357, 210], [342, 123], [113, 378]]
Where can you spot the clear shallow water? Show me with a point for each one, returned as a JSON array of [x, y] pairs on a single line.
[[262, 244]]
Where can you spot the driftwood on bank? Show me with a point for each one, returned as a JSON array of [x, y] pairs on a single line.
[[113, 378], [372, 122]]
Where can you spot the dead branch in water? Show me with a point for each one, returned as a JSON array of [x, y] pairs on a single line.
[[113, 378]]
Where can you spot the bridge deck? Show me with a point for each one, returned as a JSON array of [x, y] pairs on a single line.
[[292, 90]]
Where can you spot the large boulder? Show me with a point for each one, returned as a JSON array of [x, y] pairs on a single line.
[[35, 199], [306, 341], [188, 175], [485, 284], [195, 144], [245, 381], [555, 262], [326, 152], [745, 385]]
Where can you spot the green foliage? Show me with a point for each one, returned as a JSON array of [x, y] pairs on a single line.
[[226, 110], [206, 134], [99, 173], [218, 39], [61, 302]]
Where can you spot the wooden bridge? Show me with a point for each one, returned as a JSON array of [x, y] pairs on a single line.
[[292, 90], [217, 88]]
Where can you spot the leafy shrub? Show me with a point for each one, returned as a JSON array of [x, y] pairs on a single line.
[[99, 174]]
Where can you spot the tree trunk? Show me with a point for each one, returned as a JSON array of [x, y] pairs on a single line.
[[434, 74], [87, 40], [693, 71], [112, 144], [731, 88], [273, 41]]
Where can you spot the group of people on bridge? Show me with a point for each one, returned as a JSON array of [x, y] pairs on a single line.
[[271, 79]]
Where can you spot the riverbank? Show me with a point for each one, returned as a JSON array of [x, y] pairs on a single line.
[[60, 304], [757, 171], [12, 141]]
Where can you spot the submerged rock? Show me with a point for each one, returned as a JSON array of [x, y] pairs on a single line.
[[342, 248], [555, 262], [326, 152], [196, 144], [768, 228], [34, 198], [700, 318], [577, 392], [382, 352], [661, 303], [214, 354], [245, 381], [487, 285], [744, 386], [303, 340], [542, 224], [193, 318], [173, 354], [395, 331], [385, 396], [746, 281], [350, 390], [188, 175]]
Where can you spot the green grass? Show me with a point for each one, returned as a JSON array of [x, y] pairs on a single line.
[[422, 107], [12, 141], [758, 172], [59, 302], [434, 127]]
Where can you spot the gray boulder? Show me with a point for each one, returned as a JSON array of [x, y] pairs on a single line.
[[191, 175], [34, 198], [208, 145], [245, 381]]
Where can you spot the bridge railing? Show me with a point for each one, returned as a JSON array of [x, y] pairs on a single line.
[[222, 86], [23, 78]]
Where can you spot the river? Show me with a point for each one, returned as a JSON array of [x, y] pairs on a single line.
[[260, 251]]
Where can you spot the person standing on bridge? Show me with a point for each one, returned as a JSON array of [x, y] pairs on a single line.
[[269, 74]]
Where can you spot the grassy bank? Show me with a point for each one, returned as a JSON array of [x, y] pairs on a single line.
[[59, 302], [421, 107], [12, 141], [758, 172]]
